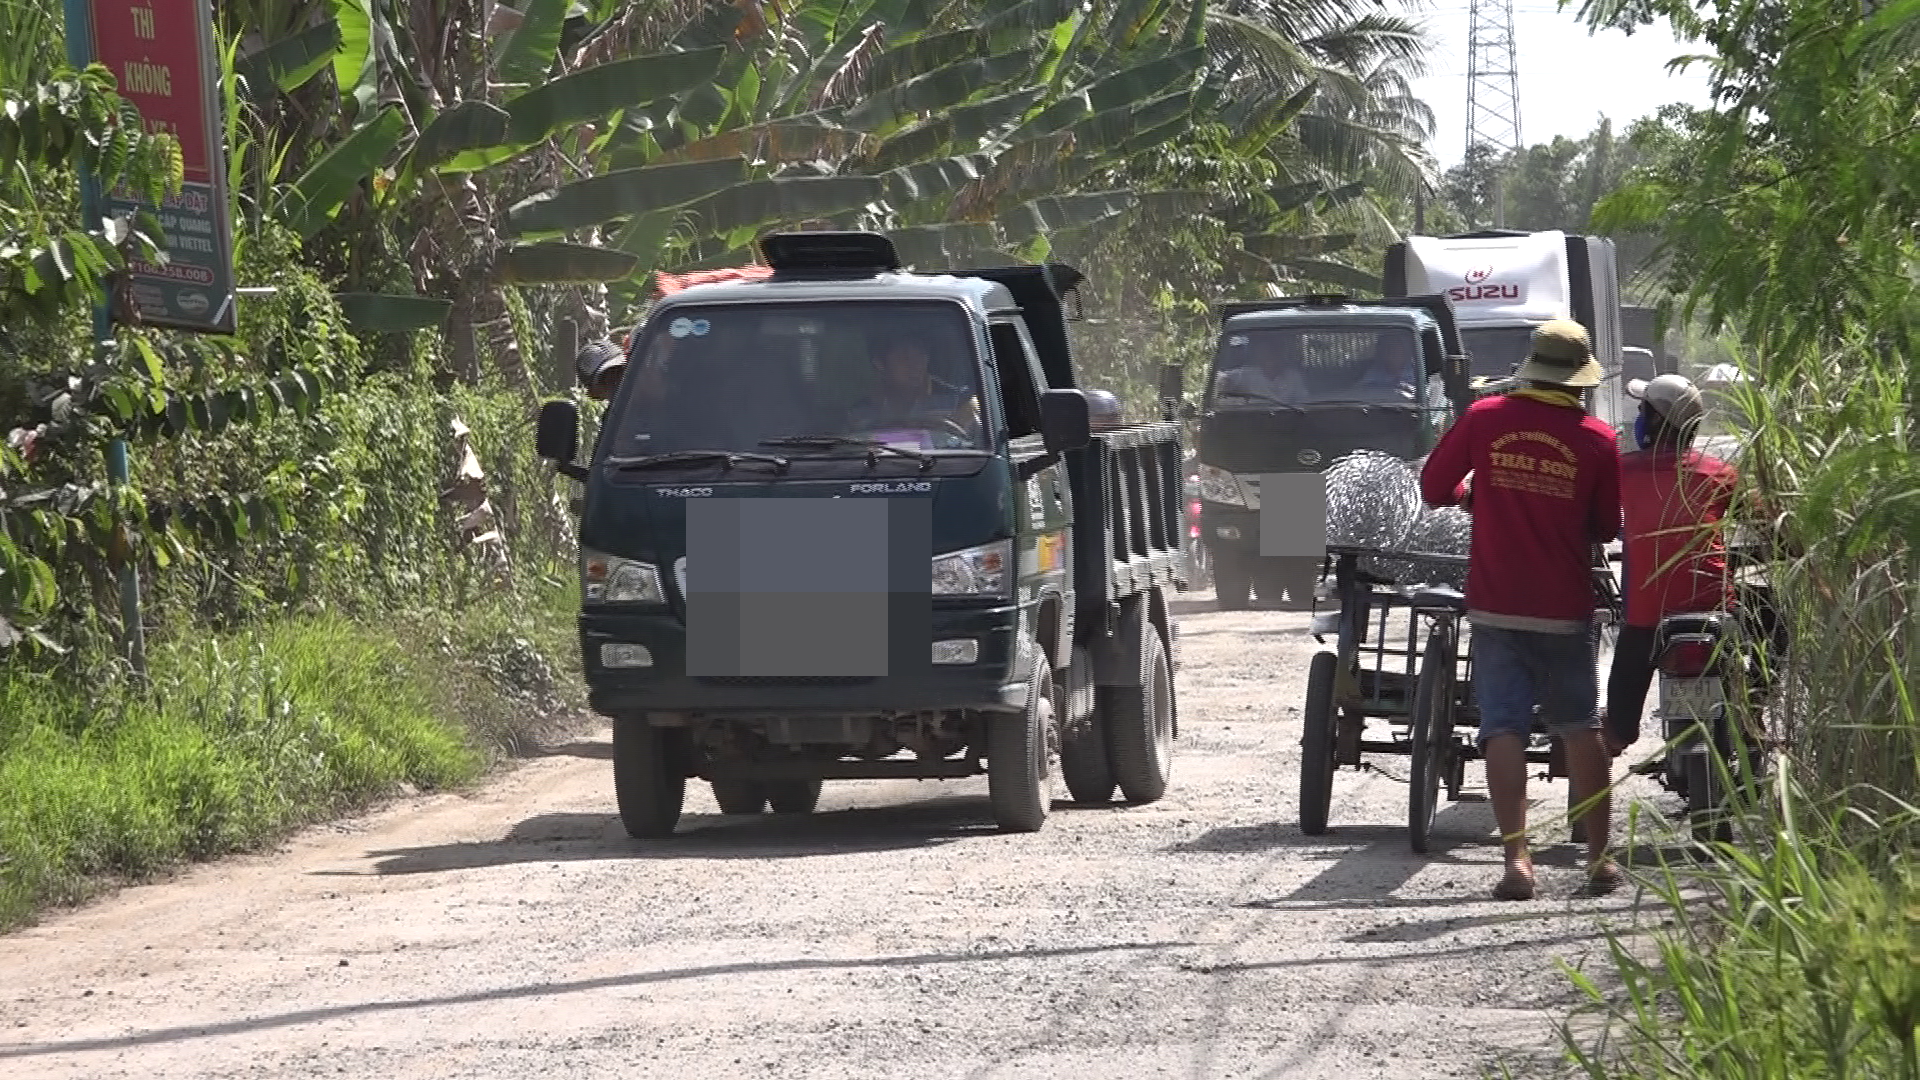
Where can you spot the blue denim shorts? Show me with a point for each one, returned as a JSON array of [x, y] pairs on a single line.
[[1514, 670]]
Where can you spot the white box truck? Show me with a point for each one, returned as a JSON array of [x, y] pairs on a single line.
[[1503, 283]]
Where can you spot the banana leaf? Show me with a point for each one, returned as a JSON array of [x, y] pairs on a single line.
[[527, 54], [554, 263], [469, 125], [784, 200], [331, 181], [591, 96], [910, 184], [384, 313], [966, 126], [622, 194], [1056, 212], [288, 63], [940, 89]]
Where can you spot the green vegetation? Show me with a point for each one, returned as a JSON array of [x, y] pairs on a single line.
[[239, 736], [1788, 219], [445, 199]]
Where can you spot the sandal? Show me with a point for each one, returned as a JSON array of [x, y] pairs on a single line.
[[1516, 884]]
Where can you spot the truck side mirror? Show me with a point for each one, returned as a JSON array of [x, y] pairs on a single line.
[[557, 436], [1066, 423]]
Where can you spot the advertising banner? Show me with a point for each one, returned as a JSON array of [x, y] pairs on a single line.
[[163, 55]]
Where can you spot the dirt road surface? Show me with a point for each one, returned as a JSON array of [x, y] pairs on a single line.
[[515, 932]]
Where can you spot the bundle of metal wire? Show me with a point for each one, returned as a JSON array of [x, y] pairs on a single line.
[[1373, 500]]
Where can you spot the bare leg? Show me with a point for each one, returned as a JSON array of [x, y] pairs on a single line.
[[1507, 785], [1590, 773]]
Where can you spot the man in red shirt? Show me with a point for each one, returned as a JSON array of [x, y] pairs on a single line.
[[1675, 560], [1546, 491]]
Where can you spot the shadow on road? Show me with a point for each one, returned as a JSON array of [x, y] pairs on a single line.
[[575, 837], [599, 750], [551, 989]]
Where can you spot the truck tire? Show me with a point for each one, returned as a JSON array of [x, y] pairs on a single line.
[[793, 796], [1232, 581], [1017, 756], [740, 796], [1140, 724], [1083, 745], [648, 783]]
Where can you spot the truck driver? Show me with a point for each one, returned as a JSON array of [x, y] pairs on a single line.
[[909, 395]]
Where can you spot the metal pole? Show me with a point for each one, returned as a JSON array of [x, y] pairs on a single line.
[[133, 636], [1420, 209]]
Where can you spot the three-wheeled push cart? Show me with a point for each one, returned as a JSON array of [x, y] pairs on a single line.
[[1403, 654]]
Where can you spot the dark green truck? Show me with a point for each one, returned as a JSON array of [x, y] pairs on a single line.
[[785, 582]]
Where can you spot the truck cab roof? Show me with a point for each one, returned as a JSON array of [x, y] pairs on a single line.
[[1347, 315], [983, 296]]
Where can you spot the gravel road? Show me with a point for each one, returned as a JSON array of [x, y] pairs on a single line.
[[515, 932]]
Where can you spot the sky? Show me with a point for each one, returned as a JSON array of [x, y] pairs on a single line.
[[1568, 79]]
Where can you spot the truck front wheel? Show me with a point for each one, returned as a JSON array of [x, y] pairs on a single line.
[[648, 782], [1018, 768]]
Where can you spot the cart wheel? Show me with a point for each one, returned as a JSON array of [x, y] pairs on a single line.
[[1432, 737], [1316, 744]]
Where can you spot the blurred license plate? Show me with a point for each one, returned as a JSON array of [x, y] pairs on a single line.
[[1693, 699]]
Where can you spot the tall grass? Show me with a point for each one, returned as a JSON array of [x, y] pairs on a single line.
[[1796, 952]]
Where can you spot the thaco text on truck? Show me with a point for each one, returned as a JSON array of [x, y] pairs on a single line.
[[1295, 384], [1503, 283], [851, 522]]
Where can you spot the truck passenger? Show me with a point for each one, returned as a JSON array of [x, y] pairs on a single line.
[[1675, 561], [1546, 489]]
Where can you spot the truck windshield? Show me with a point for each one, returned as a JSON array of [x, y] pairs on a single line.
[[826, 378], [1496, 350], [1260, 367]]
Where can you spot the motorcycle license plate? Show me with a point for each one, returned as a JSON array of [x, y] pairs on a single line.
[[1691, 699]]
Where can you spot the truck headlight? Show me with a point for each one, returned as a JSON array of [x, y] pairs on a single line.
[[610, 579], [1220, 486], [976, 571]]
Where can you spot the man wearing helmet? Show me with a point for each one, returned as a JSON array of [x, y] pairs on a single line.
[[1673, 499]]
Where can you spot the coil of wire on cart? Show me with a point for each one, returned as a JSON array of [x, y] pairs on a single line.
[[1373, 500]]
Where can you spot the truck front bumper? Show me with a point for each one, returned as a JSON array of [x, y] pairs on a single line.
[[994, 681]]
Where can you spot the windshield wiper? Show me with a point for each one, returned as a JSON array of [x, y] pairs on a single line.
[[1250, 396], [873, 447], [683, 457]]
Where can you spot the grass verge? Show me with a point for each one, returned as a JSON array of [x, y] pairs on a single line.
[[1796, 958], [247, 736]]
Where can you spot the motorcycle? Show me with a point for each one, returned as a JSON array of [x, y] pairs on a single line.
[[1199, 561], [1713, 674]]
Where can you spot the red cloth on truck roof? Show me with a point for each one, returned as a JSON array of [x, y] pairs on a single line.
[[667, 284]]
